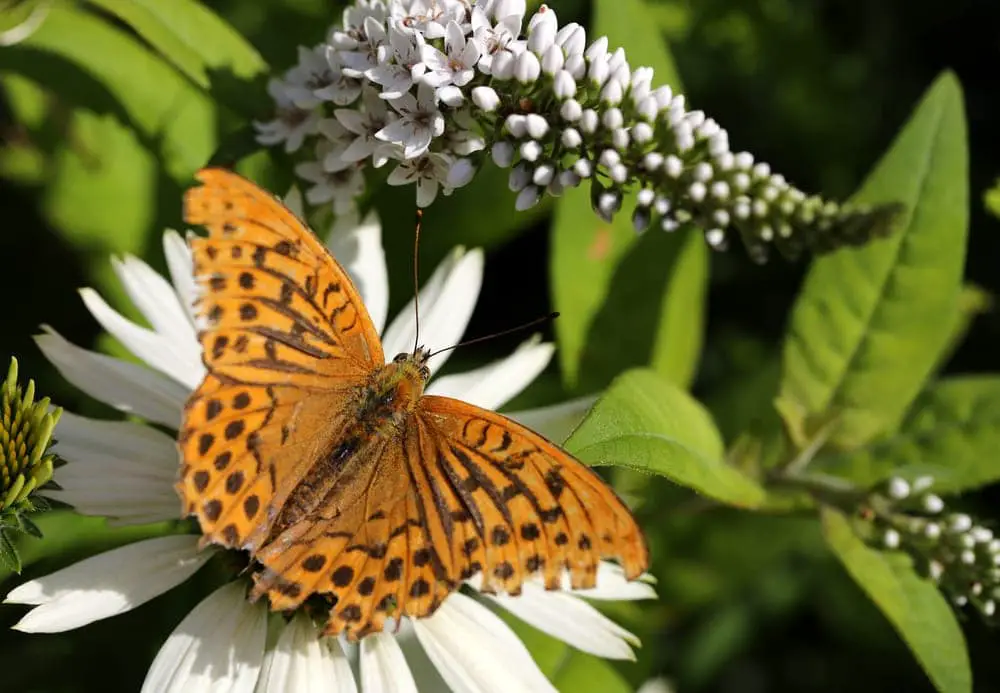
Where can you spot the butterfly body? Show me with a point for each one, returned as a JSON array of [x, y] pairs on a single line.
[[334, 470]]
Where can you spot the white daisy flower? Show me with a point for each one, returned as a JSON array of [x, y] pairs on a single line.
[[223, 643]]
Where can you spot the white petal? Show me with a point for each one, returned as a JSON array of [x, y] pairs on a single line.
[[293, 200], [657, 685], [156, 350], [141, 461], [303, 660], [157, 300], [358, 247], [217, 647], [107, 584], [476, 652], [181, 268], [494, 384], [126, 386], [556, 421], [383, 667], [613, 585], [570, 619], [446, 304]]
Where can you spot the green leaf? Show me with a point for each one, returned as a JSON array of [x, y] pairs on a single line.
[[201, 45], [91, 63], [626, 300], [580, 672], [10, 562], [991, 199], [952, 433], [646, 423], [915, 607], [871, 323]]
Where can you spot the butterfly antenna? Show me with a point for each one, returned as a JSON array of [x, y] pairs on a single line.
[[416, 281], [525, 326]]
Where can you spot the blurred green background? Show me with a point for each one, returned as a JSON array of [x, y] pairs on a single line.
[[748, 603]]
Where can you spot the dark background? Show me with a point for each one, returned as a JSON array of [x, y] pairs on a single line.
[[817, 89]]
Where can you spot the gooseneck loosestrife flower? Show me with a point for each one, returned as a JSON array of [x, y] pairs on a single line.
[[125, 470], [466, 82]]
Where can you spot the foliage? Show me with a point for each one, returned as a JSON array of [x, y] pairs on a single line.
[[759, 492]]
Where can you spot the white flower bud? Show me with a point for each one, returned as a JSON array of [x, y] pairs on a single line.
[[932, 530], [552, 60], [645, 197], [976, 589], [542, 31], [766, 233], [715, 237], [743, 161], [563, 86], [898, 488], [598, 72], [572, 38], [544, 174], [519, 176], [968, 557], [531, 150], [652, 161], [608, 158], [537, 126], [760, 209], [890, 539], [959, 522], [613, 92], [981, 535], [527, 68], [571, 138], [778, 181], [724, 161], [785, 230], [527, 198], [960, 600], [502, 67], [935, 570], [450, 96], [485, 98], [684, 137], [583, 168], [612, 118], [620, 139], [647, 109], [619, 173], [662, 205], [989, 607], [932, 503], [608, 202], [588, 121], [640, 219], [576, 66], [569, 179], [669, 225], [555, 187], [702, 172], [673, 166], [597, 50], [741, 181], [502, 153], [761, 171], [741, 209], [697, 191], [921, 483], [517, 125], [617, 59], [721, 217], [663, 96], [461, 173], [571, 110]]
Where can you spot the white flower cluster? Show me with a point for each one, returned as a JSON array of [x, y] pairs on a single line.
[[961, 556], [433, 85]]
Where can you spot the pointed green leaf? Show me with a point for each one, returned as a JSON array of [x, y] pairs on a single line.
[[871, 323], [914, 605], [952, 433], [201, 45], [10, 561], [645, 423], [626, 300]]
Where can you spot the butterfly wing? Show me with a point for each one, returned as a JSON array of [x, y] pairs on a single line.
[[460, 492], [285, 339]]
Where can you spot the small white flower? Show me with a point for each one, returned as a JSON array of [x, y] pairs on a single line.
[[457, 64], [485, 98], [400, 62], [419, 122], [126, 470], [496, 39], [291, 124], [340, 187], [428, 171], [370, 37], [365, 124]]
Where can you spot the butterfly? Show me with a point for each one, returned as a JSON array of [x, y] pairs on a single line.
[[303, 447]]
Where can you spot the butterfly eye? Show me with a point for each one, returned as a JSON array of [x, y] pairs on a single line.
[[387, 399], [399, 358]]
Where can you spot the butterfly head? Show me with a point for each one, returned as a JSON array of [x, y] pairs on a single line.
[[415, 364]]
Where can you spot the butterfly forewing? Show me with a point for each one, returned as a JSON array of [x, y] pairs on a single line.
[[382, 508]]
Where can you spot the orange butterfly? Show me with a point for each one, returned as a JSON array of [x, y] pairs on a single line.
[[333, 469]]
